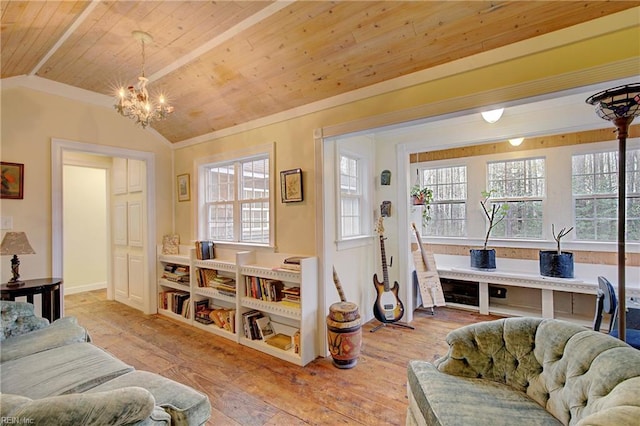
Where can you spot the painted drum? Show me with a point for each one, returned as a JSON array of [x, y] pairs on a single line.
[[344, 334]]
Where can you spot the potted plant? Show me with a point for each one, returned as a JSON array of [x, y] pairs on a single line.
[[422, 197], [485, 259], [557, 263]]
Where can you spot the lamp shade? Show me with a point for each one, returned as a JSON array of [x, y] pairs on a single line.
[[619, 102], [493, 115], [15, 243]]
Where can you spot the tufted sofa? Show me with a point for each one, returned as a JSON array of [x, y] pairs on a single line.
[[527, 371], [50, 374]]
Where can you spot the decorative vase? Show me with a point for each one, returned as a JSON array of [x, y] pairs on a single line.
[[483, 260], [556, 265], [344, 334]]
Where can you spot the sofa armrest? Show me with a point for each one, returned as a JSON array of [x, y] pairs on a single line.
[[18, 318], [500, 350], [132, 405]]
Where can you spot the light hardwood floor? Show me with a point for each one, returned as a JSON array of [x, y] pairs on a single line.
[[247, 387]]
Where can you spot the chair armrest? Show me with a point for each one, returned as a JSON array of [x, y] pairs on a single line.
[[115, 407], [500, 350], [18, 318]]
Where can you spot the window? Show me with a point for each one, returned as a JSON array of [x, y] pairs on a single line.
[[448, 208], [351, 196], [236, 200], [521, 185], [595, 189]]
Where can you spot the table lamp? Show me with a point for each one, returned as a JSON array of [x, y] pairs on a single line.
[[15, 243]]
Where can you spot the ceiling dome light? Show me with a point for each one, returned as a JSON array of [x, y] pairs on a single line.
[[516, 141], [493, 115]]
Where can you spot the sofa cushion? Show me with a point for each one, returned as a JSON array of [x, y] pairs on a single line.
[[67, 369], [444, 399], [120, 407], [185, 405], [18, 318], [63, 331]]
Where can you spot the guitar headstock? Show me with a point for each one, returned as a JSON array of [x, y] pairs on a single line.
[[380, 226]]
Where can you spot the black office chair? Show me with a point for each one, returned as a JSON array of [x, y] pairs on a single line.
[[606, 302]]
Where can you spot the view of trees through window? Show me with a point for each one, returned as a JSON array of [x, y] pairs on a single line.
[[448, 208], [521, 185], [595, 189]]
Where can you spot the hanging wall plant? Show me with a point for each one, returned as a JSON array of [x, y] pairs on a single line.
[[421, 196], [557, 263]]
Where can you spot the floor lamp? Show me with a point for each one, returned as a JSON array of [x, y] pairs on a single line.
[[620, 105]]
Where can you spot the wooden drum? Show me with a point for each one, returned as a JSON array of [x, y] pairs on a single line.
[[344, 333]]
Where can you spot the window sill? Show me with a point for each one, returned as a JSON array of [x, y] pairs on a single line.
[[355, 242]]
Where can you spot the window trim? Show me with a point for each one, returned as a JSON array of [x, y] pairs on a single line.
[[199, 213]]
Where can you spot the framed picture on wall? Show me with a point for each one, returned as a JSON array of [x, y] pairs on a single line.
[[291, 185], [184, 187], [12, 180]]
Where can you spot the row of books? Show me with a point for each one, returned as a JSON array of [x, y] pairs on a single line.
[[210, 278], [176, 273], [258, 326], [266, 289], [176, 301], [291, 296], [291, 264], [205, 250], [222, 317]]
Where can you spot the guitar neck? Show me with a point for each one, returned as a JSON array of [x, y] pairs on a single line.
[[385, 272]]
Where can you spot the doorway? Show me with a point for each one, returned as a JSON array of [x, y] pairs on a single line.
[[147, 243], [86, 212]]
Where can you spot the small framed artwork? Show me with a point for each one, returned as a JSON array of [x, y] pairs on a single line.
[[291, 185], [184, 187], [12, 180]]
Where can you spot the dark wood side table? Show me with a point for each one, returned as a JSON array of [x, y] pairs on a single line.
[[49, 288]]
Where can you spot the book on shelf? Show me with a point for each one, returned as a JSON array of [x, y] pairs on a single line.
[[266, 289], [224, 318], [205, 250], [176, 273], [249, 324], [204, 276], [296, 342], [265, 328], [281, 341], [294, 260]]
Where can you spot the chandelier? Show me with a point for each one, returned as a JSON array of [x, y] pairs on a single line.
[[134, 102]]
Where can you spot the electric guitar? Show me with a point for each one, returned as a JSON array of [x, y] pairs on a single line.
[[387, 308]]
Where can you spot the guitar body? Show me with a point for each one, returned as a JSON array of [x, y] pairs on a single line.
[[388, 307]]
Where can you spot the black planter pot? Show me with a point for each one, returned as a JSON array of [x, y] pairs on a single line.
[[483, 260], [556, 265]]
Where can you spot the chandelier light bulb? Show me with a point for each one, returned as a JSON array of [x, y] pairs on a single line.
[[493, 115]]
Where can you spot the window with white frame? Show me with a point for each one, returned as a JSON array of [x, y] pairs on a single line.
[[595, 199], [448, 209], [351, 196], [521, 185], [236, 200]]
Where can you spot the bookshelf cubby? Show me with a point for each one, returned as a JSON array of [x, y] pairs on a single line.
[[212, 281]]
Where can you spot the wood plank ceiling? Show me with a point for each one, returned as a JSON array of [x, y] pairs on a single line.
[[229, 62]]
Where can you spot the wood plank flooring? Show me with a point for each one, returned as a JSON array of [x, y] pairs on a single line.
[[247, 387]]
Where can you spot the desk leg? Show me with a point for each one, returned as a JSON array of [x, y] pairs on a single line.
[[547, 303], [483, 298], [46, 305], [57, 305]]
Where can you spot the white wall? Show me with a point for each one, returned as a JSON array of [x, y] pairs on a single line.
[[85, 228]]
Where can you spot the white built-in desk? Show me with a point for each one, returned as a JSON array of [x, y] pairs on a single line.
[[546, 285]]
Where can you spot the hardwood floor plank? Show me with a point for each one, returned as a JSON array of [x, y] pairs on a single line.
[[248, 387]]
